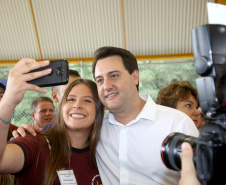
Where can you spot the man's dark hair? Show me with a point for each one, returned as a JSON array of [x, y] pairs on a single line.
[[2, 86], [3, 83], [73, 72], [129, 60]]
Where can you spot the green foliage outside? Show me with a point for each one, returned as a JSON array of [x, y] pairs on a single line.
[[154, 75]]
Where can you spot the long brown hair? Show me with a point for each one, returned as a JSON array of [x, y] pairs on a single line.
[[59, 139], [6, 179]]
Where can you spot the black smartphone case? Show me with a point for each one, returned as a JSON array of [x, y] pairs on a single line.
[[58, 76]]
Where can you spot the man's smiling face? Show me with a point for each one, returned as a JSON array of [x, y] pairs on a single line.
[[115, 84]]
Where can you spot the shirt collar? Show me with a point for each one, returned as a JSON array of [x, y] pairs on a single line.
[[148, 112], [149, 109]]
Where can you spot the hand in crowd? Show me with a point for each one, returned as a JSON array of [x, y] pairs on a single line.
[[26, 128], [188, 172]]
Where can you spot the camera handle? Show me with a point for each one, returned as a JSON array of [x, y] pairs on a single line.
[[210, 153], [204, 162]]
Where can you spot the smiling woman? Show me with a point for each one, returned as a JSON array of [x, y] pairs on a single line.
[[66, 152], [79, 110], [181, 95]]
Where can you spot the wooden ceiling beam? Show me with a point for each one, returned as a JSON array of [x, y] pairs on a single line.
[[221, 2], [36, 30], [89, 60]]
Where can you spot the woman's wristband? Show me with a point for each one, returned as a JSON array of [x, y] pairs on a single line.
[[7, 121]]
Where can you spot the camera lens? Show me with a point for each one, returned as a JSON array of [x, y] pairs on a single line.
[[59, 71], [171, 149]]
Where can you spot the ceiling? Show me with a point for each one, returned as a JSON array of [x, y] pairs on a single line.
[[74, 29]]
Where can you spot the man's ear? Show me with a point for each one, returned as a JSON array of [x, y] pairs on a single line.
[[55, 96], [33, 116], [135, 75]]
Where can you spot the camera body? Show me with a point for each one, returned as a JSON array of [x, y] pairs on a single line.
[[209, 49], [209, 152]]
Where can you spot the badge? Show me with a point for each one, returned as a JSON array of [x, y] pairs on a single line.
[[67, 177]]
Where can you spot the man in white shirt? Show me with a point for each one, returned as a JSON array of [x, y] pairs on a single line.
[[135, 127]]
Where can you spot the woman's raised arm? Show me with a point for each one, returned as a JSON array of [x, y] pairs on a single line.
[[11, 155]]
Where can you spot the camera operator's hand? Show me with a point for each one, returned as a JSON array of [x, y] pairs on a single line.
[[188, 172]]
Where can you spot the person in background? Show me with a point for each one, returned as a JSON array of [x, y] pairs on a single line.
[[181, 95], [66, 152], [2, 88], [42, 111]]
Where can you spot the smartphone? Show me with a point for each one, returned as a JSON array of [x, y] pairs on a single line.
[[58, 76]]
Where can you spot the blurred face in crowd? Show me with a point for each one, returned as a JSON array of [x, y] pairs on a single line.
[[57, 95], [2, 91], [44, 114], [62, 88], [189, 107]]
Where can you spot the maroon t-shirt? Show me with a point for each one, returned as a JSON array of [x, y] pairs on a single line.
[[13, 127], [33, 170]]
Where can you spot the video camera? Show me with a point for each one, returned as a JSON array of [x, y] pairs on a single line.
[[209, 49]]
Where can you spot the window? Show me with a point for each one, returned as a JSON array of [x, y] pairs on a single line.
[[154, 75]]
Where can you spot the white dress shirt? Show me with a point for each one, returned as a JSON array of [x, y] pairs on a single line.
[[130, 154]]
